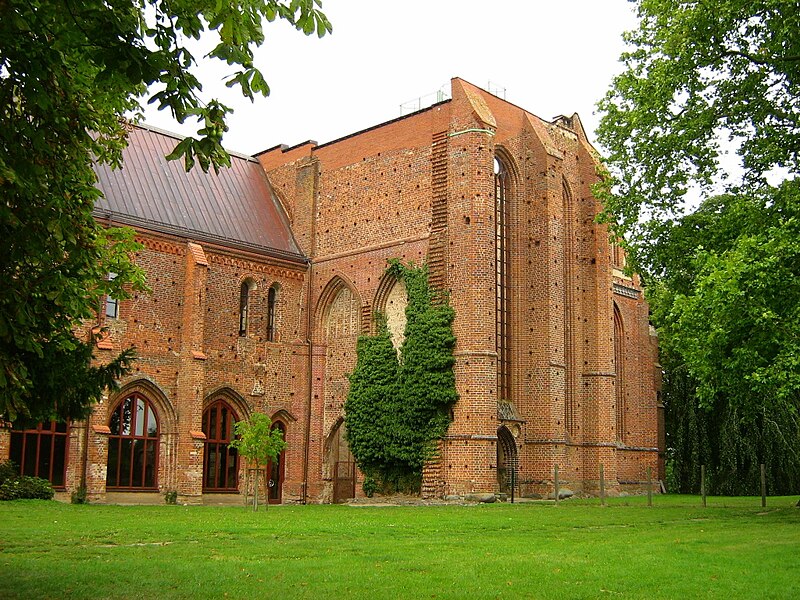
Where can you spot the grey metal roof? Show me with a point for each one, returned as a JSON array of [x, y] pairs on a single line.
[[236, 207]]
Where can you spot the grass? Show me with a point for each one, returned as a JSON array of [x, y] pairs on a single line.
[[676, 549]]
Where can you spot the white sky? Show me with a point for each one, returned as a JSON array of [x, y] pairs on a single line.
[[552, 57]]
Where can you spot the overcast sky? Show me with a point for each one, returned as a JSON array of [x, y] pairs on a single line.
[[551, 57]]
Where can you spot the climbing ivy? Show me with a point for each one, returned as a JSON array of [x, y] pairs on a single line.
[[398, 407]]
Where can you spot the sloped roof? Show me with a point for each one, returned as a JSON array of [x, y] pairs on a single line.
[[236, 207]]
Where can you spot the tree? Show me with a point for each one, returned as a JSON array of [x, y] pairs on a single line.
[[700, 77], [259, 443], [69, 73], [703, 78], [728, 314]]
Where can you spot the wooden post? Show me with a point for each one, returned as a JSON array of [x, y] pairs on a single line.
[[649, 488], [555, 481], [513, 481], [703, 483], [602, 485], [763, 486]]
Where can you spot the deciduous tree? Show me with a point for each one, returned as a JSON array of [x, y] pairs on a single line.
[[69, 74], [702, 78]]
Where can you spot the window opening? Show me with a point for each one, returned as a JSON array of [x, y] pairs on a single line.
[[244, 302], [133, 445], [502, 281], [220, 461], [570, 358], [272, 296], [41, 451], [619, 364]]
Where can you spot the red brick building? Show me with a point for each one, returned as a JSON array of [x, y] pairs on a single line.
[[264, 275]]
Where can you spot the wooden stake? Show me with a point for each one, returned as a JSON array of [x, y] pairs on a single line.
[[649, 488], [703, 483], [602, 486], [555, 481], [763, 486]]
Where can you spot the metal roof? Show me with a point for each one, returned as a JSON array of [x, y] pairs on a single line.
[[236, 207]]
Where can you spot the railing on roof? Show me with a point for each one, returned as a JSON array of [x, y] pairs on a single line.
[[412, 106]]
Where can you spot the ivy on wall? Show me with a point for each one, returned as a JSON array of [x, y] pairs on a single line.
[[398, 407]]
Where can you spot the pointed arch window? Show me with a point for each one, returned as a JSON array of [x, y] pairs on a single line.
[[502, 280], [244, 307], [571, 416], [133, 445], [619, 363], [272, 299], [220, 461]]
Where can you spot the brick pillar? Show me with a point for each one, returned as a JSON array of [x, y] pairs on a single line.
[[469, 453], [190, 389], [598, 379]]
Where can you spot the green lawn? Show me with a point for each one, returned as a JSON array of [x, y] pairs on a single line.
[[676, 549]]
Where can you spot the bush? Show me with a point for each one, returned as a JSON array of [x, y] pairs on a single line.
[[14, 486], [370, 486], [24, 487], [8, 470]]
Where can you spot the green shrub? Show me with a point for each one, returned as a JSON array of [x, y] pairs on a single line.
[[370, 486], [171, 497], [24, 487], [8, 470], [14, 486]]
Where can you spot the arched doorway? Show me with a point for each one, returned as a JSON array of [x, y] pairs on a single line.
[[507, 460], [277, 469], [220, 461], [342, 465], [133, 445]]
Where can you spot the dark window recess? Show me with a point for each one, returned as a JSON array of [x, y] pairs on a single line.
[[220, 461], [244, 302], [271, 299], [41, 452], [503, 281], [133, 445]]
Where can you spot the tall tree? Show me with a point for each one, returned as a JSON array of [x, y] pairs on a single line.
[[703, 78], [728, 314], [69, 73]]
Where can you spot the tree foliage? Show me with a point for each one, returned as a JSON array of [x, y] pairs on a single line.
[[69, 73], [398, 406], [257, 441], [702, 78], [699, 77], [728, 314], [260, 443]]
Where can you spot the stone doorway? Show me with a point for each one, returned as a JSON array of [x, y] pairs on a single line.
[[342, 466], [507, 460]]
